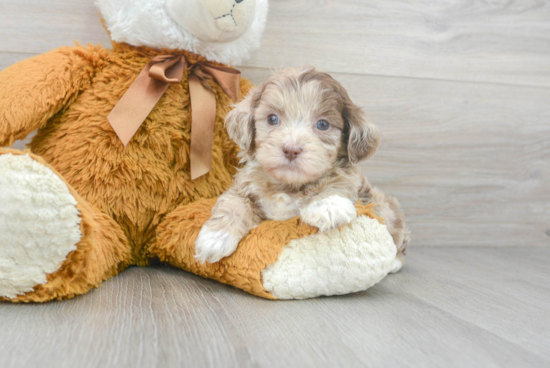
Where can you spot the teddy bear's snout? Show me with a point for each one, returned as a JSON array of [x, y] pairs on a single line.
[[230, 20], [226, 22], [213, 20]]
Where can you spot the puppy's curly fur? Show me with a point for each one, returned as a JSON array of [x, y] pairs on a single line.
[[301, 137]]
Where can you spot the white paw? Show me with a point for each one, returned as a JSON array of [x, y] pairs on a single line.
[[39, 224], [329, 213], [213, 245]]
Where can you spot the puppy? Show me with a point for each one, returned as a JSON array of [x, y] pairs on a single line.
[[301, 137]]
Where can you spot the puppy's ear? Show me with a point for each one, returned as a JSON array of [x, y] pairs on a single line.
[[239, 122], [363, 136]]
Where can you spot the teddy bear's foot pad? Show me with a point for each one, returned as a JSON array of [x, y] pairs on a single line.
[[39, 224], [335, 262]]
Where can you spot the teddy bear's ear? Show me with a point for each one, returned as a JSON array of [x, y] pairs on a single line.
[[363, 137], [239, 122]]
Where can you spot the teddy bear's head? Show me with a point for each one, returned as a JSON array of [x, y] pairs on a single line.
[[220, 30]]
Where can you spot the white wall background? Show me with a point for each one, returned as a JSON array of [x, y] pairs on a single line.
[[460, 90]]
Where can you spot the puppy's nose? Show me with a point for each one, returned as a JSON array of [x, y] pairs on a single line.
[[292, 152]]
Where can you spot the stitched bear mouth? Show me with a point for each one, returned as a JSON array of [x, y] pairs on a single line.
[[227, 21], [213, 21]]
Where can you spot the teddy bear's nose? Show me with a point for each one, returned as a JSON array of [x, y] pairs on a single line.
[[239, 1]]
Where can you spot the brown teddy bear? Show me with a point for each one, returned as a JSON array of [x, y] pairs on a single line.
[[128, 161]]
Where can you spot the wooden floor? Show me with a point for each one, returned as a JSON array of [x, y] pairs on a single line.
[[450, 307]]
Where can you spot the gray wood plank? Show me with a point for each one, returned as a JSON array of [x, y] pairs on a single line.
[[468, 162], [444, 309], [536, 258], [37, 26], [496, 291], [498, 42], [22, 144]]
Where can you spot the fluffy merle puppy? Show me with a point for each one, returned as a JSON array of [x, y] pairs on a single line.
[[301, 138]]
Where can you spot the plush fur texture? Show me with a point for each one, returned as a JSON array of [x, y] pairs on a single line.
[[135, 185], [301, 137], [153, 23], [338, 262], [41, 224]]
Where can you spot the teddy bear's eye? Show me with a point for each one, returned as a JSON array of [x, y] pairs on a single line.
[[273, 119], [323, 125]]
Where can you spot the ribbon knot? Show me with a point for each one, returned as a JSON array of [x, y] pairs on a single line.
[[151, 83]]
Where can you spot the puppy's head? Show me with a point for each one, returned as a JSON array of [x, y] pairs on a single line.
[[300, 124]]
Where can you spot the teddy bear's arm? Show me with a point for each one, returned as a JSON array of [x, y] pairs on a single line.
[[34, 90]]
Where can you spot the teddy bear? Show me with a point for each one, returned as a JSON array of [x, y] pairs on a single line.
[[131, 152]]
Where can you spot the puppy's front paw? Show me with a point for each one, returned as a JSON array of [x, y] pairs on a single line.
[[329, 213], [213, 245]]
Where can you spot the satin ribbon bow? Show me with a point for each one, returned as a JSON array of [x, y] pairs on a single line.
[[142, 96]]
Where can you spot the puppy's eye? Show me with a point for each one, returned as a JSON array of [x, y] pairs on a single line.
[[273, 120], [323, 125]]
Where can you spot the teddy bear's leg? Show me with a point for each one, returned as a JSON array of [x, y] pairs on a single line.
[[53, 244], [284, 259]]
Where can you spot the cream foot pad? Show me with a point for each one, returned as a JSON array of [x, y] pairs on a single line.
[[39, 224], [332, 263]]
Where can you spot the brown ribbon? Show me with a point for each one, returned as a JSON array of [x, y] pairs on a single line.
[[142, 96]]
